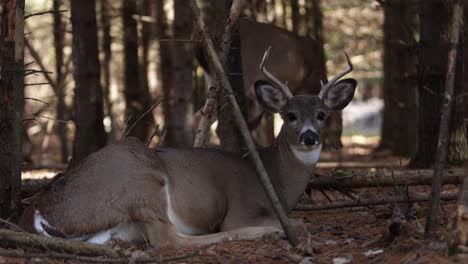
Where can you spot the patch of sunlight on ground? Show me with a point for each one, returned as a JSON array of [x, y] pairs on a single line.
[[360, 140], [38, 174]]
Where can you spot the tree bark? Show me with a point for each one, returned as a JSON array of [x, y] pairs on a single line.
[[106, 60], [432, 65], [59, 80], [455, 28], [334, 124], [460, 230], [90, 134], [295, 16], [399, 133], [11, 105], [215, 15], [137, 98], [179, 125], [165, 61]]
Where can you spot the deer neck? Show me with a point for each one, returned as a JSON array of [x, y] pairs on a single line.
[[290, 171]]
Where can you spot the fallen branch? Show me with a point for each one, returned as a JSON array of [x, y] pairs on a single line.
[[244, 130], [78, 247], [54, 255], [370, 202], [362, 179]]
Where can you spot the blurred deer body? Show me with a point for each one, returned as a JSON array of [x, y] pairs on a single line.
[[190, 197]]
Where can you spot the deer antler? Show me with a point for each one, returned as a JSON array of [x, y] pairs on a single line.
[[329, 84], [283, 86]]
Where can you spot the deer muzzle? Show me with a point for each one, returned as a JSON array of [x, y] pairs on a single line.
[[309, 138]]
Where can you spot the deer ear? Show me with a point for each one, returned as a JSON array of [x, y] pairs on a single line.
[[340, 94], [269, 97]]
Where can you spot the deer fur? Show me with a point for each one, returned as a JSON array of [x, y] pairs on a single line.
[[188, 197]]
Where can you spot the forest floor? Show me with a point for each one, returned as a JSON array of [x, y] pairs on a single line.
[[338, 236]]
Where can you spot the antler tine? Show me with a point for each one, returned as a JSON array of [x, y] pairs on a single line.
[[337, 77], [283, 86]]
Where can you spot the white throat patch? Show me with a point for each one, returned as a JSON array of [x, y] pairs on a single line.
[[307, 156]]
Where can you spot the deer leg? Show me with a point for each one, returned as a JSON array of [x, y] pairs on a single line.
[[164, 234]]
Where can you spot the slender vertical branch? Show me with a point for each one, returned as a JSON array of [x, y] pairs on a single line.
[[242, 125], [211, 99], [442, 144]]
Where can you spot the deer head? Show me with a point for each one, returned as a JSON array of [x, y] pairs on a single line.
[[304, 115]]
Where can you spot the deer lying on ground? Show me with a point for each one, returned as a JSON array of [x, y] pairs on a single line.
[[190, 197]]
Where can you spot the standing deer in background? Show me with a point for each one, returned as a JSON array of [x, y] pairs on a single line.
[[190, 197], [301, 64]]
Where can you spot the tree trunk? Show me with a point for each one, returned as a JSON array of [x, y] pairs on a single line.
[[61, 106], [145, 7], [295, 16], [165, 63], [334, 125], [106, 49], [432, 65], [137, 99], [215, 14], [228, 132], [434, 16], [90, 134], [399, 89], [11, 105], [179, 125], [458, 142]]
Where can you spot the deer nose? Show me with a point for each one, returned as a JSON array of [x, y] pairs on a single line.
[[309, 138]]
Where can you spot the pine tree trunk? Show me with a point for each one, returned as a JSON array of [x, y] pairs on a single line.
[[106, 49], [295, 16], [61, 107], [165, 62], [215, 14], [432, 65], [399, 90], [334, 125], [458, 145], [11, 105], [137, 99], [90, 134], [179, 125]]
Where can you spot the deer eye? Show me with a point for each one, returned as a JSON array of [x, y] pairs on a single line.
[[291, 116], [321, 116]]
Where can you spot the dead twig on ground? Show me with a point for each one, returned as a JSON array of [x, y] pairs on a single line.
[[370, 202], [55, 255], [78, 247], [362, 179]]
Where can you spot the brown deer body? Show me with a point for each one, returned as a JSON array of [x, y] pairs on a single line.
[[189, 197]]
